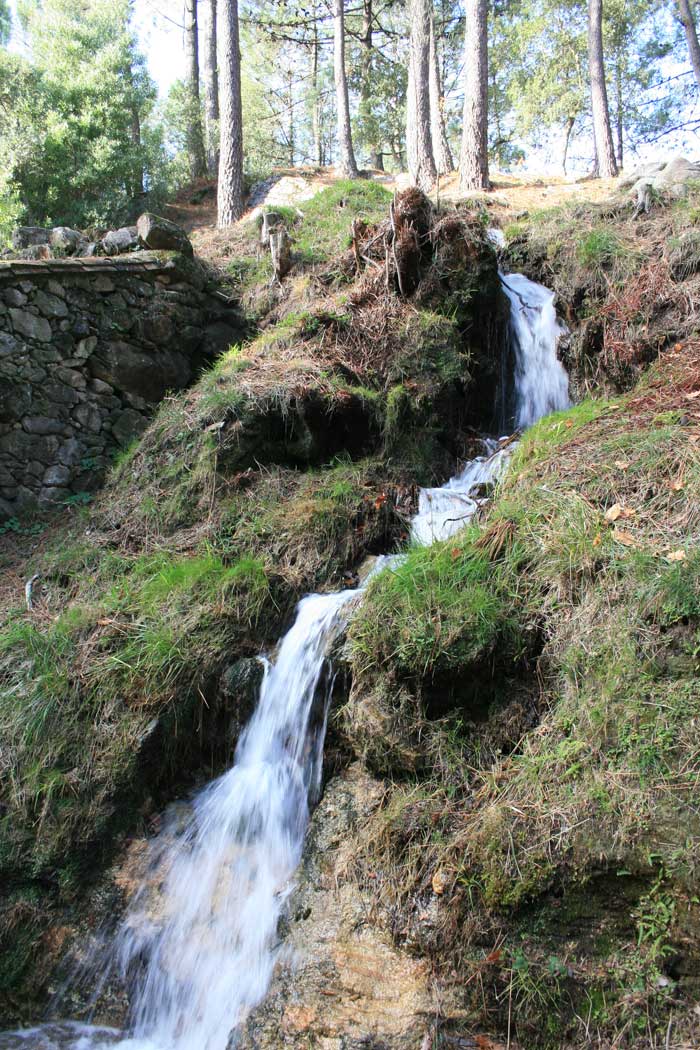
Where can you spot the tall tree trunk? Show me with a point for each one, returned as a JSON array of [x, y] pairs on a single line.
[[419, 143], [688, 23], [474, 159], [210, 78], [316, 101], [438, 134], [619, 115], [567, 141], [291, 139], [230, 195], [138, 189], [346, 162], [366, 94], [195, 138], [602, 131]]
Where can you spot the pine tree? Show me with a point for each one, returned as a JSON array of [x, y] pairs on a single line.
[[347, 165], [602, 131], [474, 161], [691, 36], [210, 79], [230, 192], [195, 137], [419, 143], [441, 146]]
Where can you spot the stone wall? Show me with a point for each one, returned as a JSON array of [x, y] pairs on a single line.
[[88, 347]]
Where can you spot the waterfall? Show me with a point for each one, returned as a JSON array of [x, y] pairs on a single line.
[[541, 382], [206, 933]]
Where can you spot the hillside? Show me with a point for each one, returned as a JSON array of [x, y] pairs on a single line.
[[509, 825]]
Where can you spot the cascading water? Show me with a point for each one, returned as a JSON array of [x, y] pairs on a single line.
[[541, 382], [208, 936]]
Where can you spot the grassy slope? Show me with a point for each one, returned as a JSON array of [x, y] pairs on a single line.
[[562, 833], [627, 286], [275, 475]]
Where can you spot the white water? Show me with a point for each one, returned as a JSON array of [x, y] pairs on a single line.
[[541, 382], [443, 511], [208, 930]]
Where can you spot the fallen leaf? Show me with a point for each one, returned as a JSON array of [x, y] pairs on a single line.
[[614, 512], [628, 512], [621, 464], [439, 882], [676, 556], [678, 347], [596, 540], [569, 423], [676, 486], [624, 537]]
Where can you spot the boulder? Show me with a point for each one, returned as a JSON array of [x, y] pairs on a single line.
[[162, 235], [117, 242], [67, 241], [28, 236], [35, 251], [668, 178]]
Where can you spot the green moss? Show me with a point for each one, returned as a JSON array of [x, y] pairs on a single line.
[[435, 610]]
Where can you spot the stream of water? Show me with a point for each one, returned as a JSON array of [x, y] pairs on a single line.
[[204, 944]]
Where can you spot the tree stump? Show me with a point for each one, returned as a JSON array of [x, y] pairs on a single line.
[[270, 221], [280, 250]]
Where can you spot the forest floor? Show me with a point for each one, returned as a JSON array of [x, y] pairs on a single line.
[[510, 198]]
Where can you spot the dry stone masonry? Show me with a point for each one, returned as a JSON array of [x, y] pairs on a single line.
[[88, 347]]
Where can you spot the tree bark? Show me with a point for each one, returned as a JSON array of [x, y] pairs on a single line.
[[367, 42], [602, 131], [346, 162], [419, 143], [210, 78], [567, 140], [691, 36], [230, 194], [438, 134], [474, 159], [195, 138], [619, 116], [316, 101]]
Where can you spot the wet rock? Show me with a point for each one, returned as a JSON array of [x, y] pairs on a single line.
[[340, 982], [239, 687]]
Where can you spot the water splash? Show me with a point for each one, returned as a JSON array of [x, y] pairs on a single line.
[[444, 511], [541, 382]]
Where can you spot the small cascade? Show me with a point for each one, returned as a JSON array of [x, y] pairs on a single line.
[[443, 511], [541, 382], [206, 933]]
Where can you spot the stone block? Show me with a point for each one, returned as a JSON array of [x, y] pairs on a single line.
[[13, 297], [43, 425], [50, 305], [31, 326], [57, 475]]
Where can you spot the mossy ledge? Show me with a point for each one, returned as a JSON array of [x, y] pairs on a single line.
[[540, 839]]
